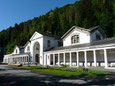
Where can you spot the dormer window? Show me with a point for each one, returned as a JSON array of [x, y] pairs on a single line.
[[75, 39], [48, 43], [98, 37]]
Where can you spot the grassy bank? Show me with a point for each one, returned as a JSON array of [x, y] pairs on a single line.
[[66, 71]]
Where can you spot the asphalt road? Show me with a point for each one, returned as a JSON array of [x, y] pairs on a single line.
[[16, 77]]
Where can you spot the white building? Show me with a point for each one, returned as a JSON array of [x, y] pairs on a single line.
[[81, 47]]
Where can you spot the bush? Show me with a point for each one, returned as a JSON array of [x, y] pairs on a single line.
[[62, 65], [36, 63], [85, 70], [38, 67], [20, 65], [47, 67]]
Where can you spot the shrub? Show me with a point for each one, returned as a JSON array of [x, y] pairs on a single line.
[[20, 65], [62, 65], [47, 67], [85, 70], [36, 63]]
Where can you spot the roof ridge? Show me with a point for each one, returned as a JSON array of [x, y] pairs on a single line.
[[93, 28], [73, 27], [82, 28], [103, 40]]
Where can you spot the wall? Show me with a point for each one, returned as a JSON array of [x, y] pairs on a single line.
[[37, 38], [5, 59], [25, 49], [53, 43]]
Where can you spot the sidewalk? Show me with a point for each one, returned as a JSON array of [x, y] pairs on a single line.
[[102, 69]]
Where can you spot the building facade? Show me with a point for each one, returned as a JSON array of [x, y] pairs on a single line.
[[81, 48]]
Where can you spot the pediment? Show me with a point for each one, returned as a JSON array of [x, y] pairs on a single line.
[[75, 30], [16, 47], [36, 35]]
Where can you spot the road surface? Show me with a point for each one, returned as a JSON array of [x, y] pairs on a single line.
[[15, 77]]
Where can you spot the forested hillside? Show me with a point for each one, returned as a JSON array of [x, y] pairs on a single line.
[[84, 13]]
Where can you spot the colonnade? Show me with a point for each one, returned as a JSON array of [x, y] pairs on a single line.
[[22, 60], [54, 58], [18, 59]]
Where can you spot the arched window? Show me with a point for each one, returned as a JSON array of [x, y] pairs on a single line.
[[16, 50], [37, 47], [75, 39], [28, 48], [48, 43]]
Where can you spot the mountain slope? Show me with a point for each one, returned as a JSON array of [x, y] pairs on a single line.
[[84, 13]]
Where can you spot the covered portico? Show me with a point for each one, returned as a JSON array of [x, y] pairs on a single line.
[[19, 59], [85, 55]]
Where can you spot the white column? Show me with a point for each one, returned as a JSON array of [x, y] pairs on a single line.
[[85, 57], [20, 59], [105, 58], [17, 59], [27, 60], [24, 60], [8, 60], [64, 58], [70, 54], [46, 59], [94, 56], [11, 60], [49, 56], [77, 54], [58, 59], [54, 59]]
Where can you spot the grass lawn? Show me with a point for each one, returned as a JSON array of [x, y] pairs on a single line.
[[65, 71]]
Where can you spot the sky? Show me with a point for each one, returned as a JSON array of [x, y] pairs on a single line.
[[17, 11]]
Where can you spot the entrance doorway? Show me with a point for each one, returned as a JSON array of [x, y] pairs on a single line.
[[36, 52], [37, 58]]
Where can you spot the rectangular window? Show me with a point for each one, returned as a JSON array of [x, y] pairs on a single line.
[[75, 39]]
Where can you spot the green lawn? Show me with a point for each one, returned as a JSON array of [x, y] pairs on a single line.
[[65, 71]]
